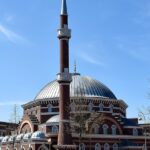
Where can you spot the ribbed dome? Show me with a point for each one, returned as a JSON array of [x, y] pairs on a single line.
[[81, 86]]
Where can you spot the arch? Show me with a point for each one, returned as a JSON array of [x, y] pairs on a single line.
[[101, 107], [113, 127], [50, 107], [95, 128], [135, 132], [82, 146], [115, 146], [22, 125], [54, 129], [105, 129], [97, 146], [106, 146], [110, 119], [43, 147]]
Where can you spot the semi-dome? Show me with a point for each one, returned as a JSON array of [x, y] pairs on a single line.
[[27, 136], [53, 120], [81, 86], [19, 137], [38, 135], [5, 139], [12, 138]]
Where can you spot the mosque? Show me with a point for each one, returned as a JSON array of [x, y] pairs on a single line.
[[75, 112]]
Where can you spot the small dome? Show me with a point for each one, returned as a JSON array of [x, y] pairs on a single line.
[[81, 86], [38, 135], [19, 137], [5, 139], [27, 136], [11, 138], [54, 119]]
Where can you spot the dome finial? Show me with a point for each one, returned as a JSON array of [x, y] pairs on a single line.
[[64, 8]]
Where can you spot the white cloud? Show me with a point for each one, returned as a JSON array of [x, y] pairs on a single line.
[[88, 58], [136, 47], [11, 36], [9, 18]]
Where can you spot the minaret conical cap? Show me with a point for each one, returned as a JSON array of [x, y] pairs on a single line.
[[64, 8]]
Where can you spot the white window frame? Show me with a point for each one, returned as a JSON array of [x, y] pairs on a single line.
[[54, 129], [135, 132], [114, 129], [73, 106], [101, 107], [50, 107], [106, 146], [111, 106], [115, 146], [82, 146], [97, 146], [105, 129], [90, 107]]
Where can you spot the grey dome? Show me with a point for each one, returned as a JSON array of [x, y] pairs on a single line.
[[27, 136], [11, 138], [53, 119], [5, 139], [19, 137], [38, 135], [81, 86]]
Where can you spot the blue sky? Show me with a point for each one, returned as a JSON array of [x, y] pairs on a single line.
[[110, 42]]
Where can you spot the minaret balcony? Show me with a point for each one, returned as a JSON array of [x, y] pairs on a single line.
[[64, 33], [64, 77]]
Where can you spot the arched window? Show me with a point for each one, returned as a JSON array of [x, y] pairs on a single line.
[[95, 129], [113, 127], [54, 129], [111, 108], [135, 132], [115, 146], [97, 146], [82, 146], [106, 146], [73, 106], [101, 107], [50, 107], [105, 129], [90, 107]]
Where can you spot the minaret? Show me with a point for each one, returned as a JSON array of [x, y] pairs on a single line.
[[64, 79]]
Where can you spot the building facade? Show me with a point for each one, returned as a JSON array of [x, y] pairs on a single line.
[[7, 128], [75, 112]]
